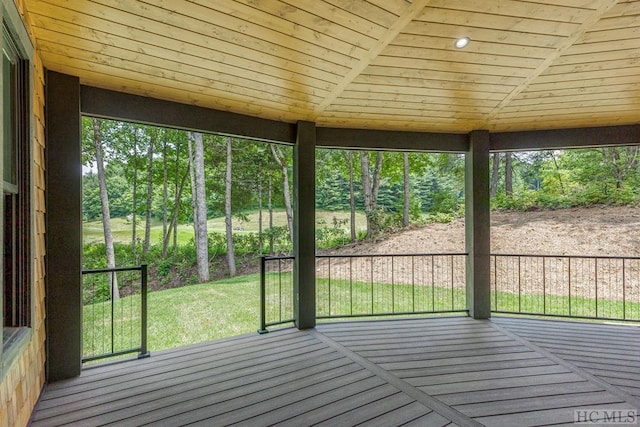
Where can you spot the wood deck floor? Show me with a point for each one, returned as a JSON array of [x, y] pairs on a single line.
[[440, 371]]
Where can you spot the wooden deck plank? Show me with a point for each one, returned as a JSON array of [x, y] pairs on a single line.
[[289, 401], [390, 372], [360, 342], [608, 367], [414, 356], [345, 405], [168, 393], [368, 411], [472, 367], [520, 392], [462, 377], [155, 380], [594, 336], [133, 371], [493, 384], [412, 346], [315, 406], [432, 419], [422, 349], [460, 360], [399, 416], [179, 371], [541, 418], [514, 406]]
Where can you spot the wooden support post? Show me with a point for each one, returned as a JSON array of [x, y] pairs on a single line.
[[64, 227], [477, 226], [304, 246]]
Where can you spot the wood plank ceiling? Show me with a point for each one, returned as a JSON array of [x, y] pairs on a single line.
[[376, 64]]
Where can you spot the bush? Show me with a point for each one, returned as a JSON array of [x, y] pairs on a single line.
[[330, 236]]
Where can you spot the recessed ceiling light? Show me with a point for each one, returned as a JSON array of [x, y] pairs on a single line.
[[461, 43]]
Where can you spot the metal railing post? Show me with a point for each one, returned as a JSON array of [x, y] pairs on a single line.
[[113, 302], [144, 352], [263, 297]]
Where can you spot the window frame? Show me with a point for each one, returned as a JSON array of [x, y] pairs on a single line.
[[14, 29]]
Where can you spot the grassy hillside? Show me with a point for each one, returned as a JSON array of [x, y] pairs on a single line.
[[92, 230]]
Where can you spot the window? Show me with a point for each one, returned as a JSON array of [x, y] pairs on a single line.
[[15, 205]]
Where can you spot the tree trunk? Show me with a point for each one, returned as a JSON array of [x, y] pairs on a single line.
[[352, 199], [231, 259], [270, 206], [147, 228], [494, 174], [106, 215], [194, 193], [558, 174], [134, 207], [508, 174], [174, 216], [202, 247], [370, 186], [177, 203], [407, 195], [165, 196], [278, 155], [260, 236]]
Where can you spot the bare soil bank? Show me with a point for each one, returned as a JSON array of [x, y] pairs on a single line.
[[600, 230]]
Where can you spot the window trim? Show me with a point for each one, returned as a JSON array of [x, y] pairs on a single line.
[[12, 23]]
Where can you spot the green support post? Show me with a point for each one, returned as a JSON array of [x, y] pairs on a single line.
[[477, 226], [304, 247]]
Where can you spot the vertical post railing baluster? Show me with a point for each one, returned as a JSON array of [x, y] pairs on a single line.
[[519, 286], [495, 281], [350, 285], [371, 258], [112, 287], [393, 285], [544, 284], [570, 295], [329, 283], [624, 290], [413, 284], [280, 290], [263, 295], [433, 284], [143, 321]]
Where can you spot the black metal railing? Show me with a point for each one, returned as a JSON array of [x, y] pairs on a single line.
[[394, 284], [596, 287], [114, 325], [367, 285], [276, 291]]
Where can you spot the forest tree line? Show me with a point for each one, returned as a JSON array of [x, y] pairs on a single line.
[[151, 175]]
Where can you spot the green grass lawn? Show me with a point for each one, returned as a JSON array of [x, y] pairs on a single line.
[[121, 228], [230, 307], [176, 317], [562, 306]]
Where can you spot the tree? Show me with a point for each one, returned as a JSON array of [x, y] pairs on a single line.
[[621, 162], [281, 160], [165, 195], [147, 229], [352, 199], [104, 201], [370, 187], [495, 170], [198, 193], [405, 210], [508, 174], [134, 207], [231, 261]]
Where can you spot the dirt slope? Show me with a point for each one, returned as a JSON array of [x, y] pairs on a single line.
[[601, 230]]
